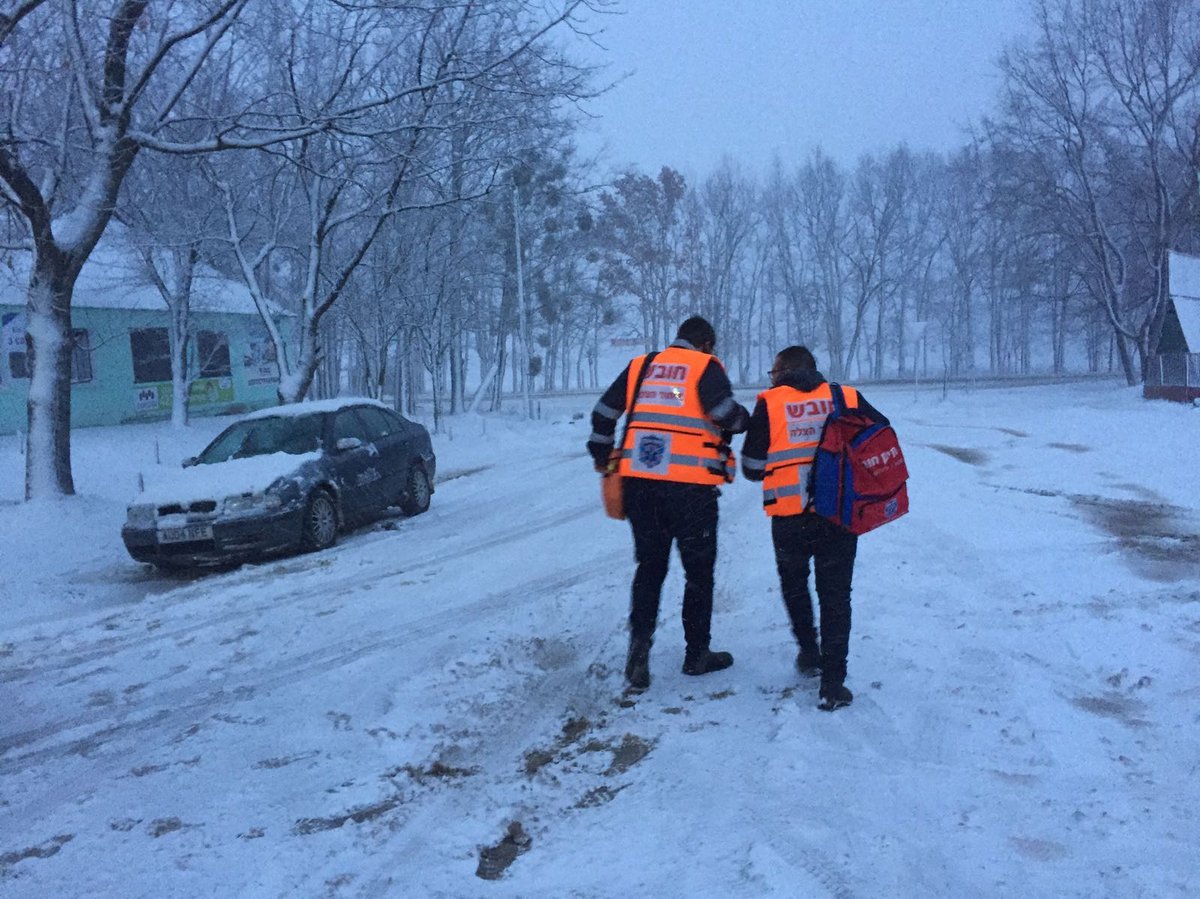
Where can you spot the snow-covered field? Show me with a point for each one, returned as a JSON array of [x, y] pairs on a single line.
[[370, 720]]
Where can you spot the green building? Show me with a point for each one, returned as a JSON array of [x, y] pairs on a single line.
[[121, 366]]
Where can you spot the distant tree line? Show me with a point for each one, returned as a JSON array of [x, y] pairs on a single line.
[[403, 180]]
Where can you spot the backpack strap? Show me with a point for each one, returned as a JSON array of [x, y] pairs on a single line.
[[839, 397], [637, 388]]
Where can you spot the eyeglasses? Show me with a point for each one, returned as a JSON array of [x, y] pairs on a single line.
[[776, 372]]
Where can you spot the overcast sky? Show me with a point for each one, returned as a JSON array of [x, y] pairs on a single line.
[[750, 77]]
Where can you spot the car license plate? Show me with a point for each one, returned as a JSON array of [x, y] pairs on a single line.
[[185, 534]]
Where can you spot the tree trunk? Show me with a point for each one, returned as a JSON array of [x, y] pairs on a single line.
[[180, 382], [456, 354], [48, 339]]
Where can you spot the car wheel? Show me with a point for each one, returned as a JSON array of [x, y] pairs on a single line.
[[320, 521], [417, 493]]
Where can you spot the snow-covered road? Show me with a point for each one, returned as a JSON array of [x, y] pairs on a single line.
[[366, 721]]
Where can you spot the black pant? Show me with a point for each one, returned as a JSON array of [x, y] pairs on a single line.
[[660, 512], [798, 539]]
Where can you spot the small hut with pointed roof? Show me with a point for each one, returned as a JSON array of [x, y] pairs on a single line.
[[1174, 370]]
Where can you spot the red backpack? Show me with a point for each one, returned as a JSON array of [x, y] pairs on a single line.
[[858, 476]]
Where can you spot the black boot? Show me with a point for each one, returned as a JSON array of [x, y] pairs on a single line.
[[637, 667], [808, 662], [834, 696], [704, 661]]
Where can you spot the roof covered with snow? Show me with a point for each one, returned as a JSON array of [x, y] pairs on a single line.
[[115, 277], [1185, 293]]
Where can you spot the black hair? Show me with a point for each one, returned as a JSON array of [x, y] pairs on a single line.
[[796, 358], [697, 331]]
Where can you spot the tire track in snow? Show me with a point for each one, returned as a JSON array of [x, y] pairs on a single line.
[[180, 707], [106, 648], [534, 717]]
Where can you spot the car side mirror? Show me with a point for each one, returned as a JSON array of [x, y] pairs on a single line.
[[190, 461], [348, 443]]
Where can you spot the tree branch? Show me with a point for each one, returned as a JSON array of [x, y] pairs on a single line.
[[10, 21]]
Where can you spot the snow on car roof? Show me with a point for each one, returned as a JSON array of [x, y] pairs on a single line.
[[220, 479], [311, 406]]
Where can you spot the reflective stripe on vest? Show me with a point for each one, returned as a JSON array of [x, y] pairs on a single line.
[[685, 422], [796, 418], [670, 437], [775, 494], [803, 454], [680, 459]]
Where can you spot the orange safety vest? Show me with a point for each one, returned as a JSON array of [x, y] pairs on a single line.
[[670, 438], [796, 418]]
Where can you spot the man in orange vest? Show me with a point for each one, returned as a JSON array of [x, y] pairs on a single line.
[[780, 445], [674, 457]]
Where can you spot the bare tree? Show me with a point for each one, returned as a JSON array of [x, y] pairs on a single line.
[[963, 240], [879, 193], [475, 64], [62, 175], [724, 219], [172, 217], [790, 264], [821, 196], [71, 132], [1103, 109]]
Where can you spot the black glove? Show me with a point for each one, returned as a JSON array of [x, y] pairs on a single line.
[[599, 453]]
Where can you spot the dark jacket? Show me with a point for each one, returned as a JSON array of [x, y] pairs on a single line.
[[758, 434], [716, 398]]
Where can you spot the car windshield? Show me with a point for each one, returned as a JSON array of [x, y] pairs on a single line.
[[262, 436]]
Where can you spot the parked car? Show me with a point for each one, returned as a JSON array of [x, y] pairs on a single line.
[[283, 479]]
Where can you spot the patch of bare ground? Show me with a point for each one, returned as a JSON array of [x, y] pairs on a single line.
[[494, 860], [1071, 447], [1160, 540], [307, 826], [631, 751], [284, 760], [1039, 850], [43, 850], [160, 827], [539, 757], [961, 453], [598, 796], [1142, 493], [436, 771], [1117, 706]]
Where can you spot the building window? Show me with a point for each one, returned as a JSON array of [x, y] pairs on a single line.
[[151, 349], [212, 353], [81, 356], [14, 355], [18, 366], [14, 362]]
